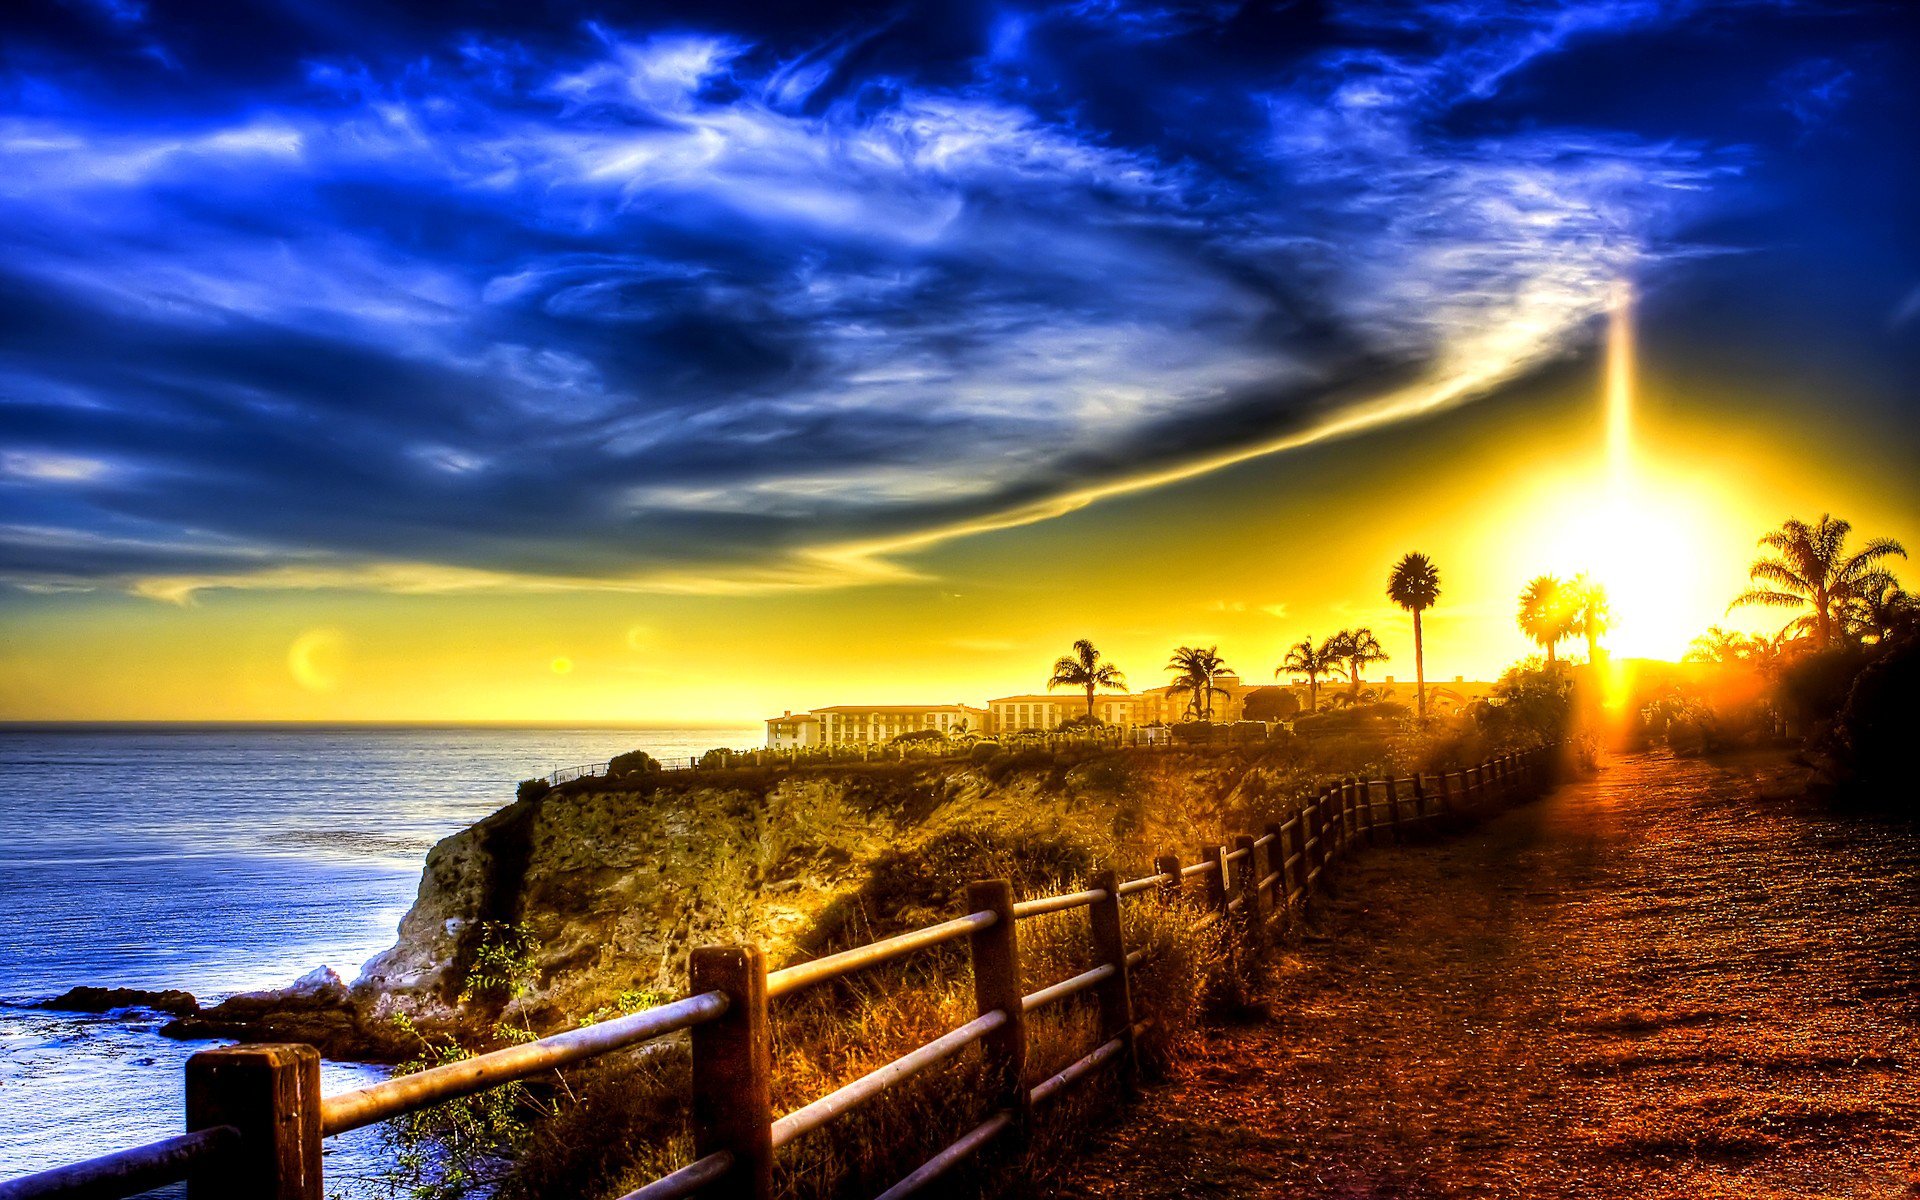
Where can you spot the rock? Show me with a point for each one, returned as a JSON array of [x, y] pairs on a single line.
[[321, 983], [316, 1008], [106, 1000]]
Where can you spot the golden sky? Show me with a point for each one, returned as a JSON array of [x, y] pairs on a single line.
[[1251, 557]]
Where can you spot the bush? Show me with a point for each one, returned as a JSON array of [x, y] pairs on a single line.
[[916, 737], [983, 751], [532, 789], [1869, 753], [1270, 704], [1196, 733], [633, 762]]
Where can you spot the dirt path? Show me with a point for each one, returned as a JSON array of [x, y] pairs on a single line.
[[1659, 982]]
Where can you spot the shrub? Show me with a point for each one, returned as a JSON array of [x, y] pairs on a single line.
[[633, 762], [917, 736], [532, 789], [1270, 703], [1193, 733], [983, 751], [1869, 753]]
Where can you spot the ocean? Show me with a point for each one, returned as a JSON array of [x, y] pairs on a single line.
[[221, 859]]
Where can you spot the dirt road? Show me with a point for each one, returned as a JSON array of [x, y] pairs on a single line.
[[1669, 980]]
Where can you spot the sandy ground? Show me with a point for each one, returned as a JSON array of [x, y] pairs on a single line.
[[1670, 980]]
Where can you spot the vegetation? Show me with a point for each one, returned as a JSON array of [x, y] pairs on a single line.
[[1414, 584], [1811, 569], [1305, 658], [1591, 615], [1084, 668], [1356, 649], [633, 762], [1195, 674], [1546, 613]]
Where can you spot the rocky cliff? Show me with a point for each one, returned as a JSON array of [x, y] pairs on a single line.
[[603, 885]]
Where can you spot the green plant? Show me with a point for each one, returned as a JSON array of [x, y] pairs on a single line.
[[1414, 584], [532, 789], [633, 762], [1084, 668]]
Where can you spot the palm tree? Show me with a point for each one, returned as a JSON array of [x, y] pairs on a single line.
[[1719, 645], [1414, 584], [1589, 614], [1355, 648], [1195, 670], [1085, 668], [1546, 617], [1313, 662], [1881, 614], [1810, 568]]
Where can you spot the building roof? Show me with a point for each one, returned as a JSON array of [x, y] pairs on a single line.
[[896, 708], [793, 717]]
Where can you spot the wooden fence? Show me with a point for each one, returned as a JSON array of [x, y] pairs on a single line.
[[256, 1118]]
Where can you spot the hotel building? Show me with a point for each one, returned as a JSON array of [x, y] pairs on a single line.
[[868, 724]]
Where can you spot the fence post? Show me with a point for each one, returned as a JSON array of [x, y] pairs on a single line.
[[1253, 897], [996, 987], [1168, 865], [733, 1071], [1277, 865], [271, 1094], [1116, 999], [1393, 808], [1216, 879], [1321, 831]]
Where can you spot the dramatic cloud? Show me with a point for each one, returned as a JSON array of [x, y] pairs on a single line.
[[682, 309]]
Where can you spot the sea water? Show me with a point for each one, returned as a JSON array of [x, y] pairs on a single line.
[[219, 860]]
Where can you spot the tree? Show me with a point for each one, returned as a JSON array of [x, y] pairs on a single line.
[[1881, 614], [1810, 568], [1313, 662], [1719, 645], [1084, 668], [1546, 615], [1414, 584], [1354, 648], [1195, 671], [1591, 614], [1269, 704]]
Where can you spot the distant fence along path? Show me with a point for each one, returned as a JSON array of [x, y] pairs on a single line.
[[256, 1118]]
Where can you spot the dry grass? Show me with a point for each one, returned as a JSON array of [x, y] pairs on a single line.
[[626, 1122]]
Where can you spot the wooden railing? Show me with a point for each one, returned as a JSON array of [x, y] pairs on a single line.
[[256, 1118]]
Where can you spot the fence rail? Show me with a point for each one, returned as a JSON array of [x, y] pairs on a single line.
[[257, 1119]]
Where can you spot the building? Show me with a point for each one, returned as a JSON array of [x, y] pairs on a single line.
[[869, 724], [791, 731], [876, 724], [1012, 714]]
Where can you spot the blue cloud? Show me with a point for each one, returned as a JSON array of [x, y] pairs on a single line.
[[667, 306]]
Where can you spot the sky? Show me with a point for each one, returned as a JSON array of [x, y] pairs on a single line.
[[665, 364]]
